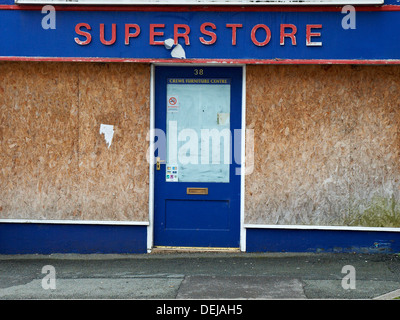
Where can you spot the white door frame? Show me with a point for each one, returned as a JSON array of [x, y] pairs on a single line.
[[150, 227]]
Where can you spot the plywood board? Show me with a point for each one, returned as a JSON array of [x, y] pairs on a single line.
[[326, 145], [38, 133], [54, 162], [114, 179]]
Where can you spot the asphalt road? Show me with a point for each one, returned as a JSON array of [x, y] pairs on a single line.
[[185, 276]]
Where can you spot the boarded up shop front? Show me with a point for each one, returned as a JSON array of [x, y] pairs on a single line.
[[316, 104]]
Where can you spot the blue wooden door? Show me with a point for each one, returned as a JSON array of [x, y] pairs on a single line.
[[197, 178]]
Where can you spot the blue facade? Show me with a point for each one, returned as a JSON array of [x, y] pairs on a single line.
[[374, 40], [45, 238], [42, 238], [302, 240]]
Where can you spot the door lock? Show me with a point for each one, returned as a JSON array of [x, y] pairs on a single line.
[[158, 163]]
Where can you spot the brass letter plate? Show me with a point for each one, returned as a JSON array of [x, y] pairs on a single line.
[[197, 191]]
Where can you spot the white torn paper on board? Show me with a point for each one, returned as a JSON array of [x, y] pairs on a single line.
[[108, 131]]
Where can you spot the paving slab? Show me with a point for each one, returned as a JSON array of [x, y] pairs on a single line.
[[240, 287], [97, 288], [332, 289]]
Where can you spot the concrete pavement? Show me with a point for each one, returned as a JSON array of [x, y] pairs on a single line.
[[182, 276]]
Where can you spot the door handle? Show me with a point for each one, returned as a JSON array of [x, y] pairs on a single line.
[[158, 163]]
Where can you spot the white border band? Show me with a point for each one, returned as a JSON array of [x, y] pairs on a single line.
[[91, 222], [311, 227], [150, 228], [151, 161], [243, 163]]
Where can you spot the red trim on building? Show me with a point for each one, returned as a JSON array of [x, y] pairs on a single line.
[[207, 61], [136, 8]]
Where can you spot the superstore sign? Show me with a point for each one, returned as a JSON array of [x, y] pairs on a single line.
[[139, 34], [260, 34]]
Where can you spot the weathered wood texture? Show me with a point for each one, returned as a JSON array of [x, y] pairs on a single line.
[[326, 145], [54, 163]]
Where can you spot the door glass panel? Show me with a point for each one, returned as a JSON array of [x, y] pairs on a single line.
[[198, 130]]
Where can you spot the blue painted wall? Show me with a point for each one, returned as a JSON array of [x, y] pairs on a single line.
[[38, 238], [30, 238], [299, 240]]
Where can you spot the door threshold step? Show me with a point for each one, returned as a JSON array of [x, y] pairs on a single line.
[[166, 249]]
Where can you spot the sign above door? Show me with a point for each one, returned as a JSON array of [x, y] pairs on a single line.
[[271, 35]]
